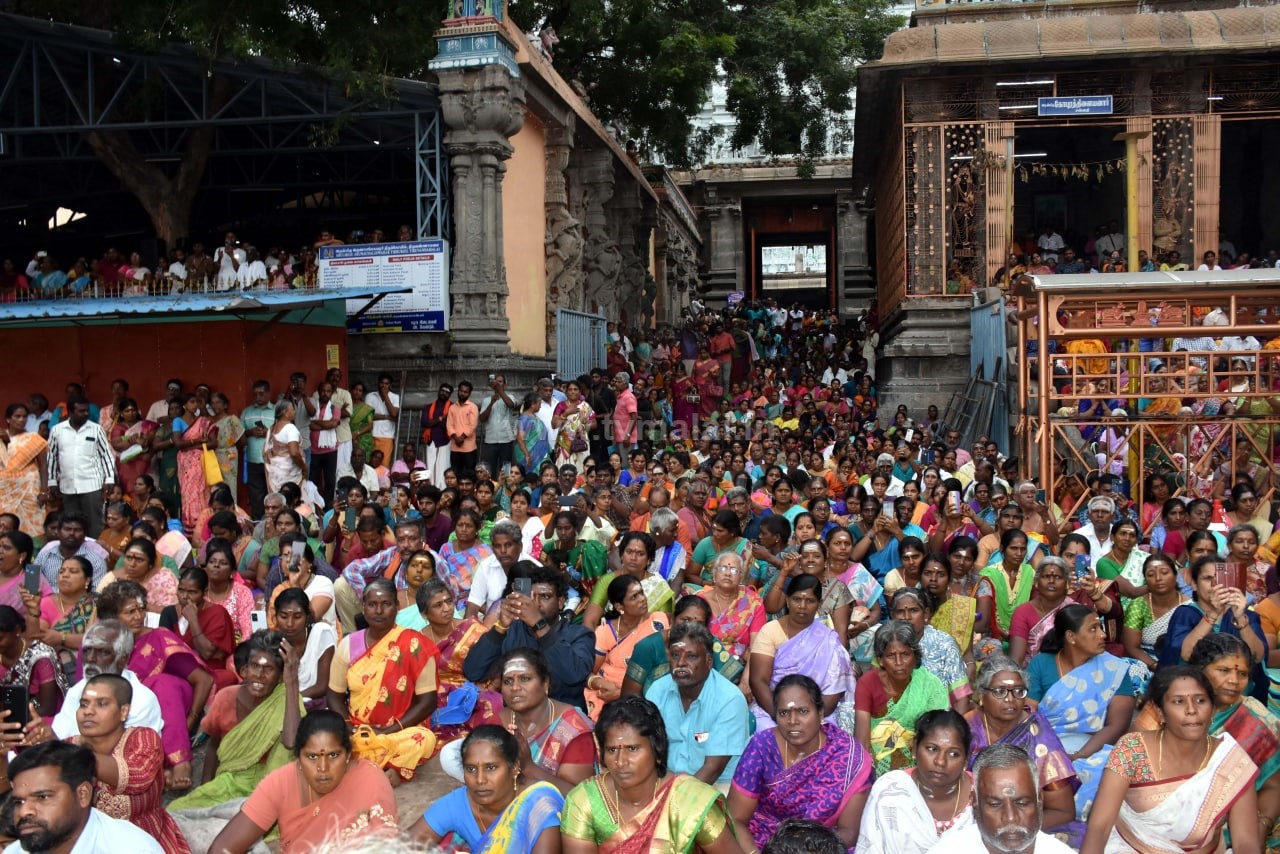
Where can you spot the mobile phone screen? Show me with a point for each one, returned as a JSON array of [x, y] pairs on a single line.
[[1082, 566]]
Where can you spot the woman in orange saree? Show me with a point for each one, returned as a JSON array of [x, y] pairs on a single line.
[[383, 681], [616, 639], [453, 640], [23, 475], [197, 431]]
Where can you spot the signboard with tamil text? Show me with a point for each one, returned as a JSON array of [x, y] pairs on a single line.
[[420, 264], [1076, 105]]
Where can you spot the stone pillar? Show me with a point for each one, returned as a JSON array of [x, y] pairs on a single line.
[[564, 233], [592, 172], [626, 214], [724, 245], [855, 282], [482, 106]]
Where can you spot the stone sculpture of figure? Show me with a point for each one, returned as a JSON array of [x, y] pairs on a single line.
[[564, 258], [964, 207], [1166, 226], [603, 263], [547, 41]]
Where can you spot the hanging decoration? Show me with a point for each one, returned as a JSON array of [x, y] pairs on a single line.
[[1094, 170]]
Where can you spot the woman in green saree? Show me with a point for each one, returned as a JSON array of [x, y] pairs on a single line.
[[1003, 586], [251, 726], [361, 420], [636, 806], [891, 696]]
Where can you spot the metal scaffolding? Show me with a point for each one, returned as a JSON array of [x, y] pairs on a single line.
[[280, 134]]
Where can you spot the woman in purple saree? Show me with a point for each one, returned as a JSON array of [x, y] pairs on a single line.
[[801, 768], [797, 643]]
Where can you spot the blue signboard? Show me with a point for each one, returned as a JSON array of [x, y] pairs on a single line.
[[1076, 105], [422, 265]]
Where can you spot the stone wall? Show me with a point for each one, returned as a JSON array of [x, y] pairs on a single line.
[[925, 354]]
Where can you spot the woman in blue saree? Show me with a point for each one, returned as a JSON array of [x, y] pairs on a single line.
[[1084, 693], [493, 813], [798, 643]]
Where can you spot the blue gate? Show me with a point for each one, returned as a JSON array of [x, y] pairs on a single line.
[[580, 342], [989, 350]]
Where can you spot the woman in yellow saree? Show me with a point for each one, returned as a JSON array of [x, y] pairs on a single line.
[[383, 681], [23, 470], [635, 806]]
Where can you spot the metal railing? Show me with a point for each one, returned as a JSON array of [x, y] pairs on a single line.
[[151, 286], [581, 339]]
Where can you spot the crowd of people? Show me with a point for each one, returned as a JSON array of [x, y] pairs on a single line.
[[710, 595]]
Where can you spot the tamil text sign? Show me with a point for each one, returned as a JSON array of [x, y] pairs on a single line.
[[422, 265], [1076, 105]]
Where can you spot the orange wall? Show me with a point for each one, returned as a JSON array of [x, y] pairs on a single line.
[[524, 194], [228, 355]]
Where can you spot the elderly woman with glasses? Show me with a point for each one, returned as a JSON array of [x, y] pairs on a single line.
[[1004, 716], [737, 613]]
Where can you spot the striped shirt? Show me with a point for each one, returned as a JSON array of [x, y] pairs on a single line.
[[80, 461]]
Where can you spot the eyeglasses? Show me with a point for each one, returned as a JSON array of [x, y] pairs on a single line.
[[1003, 693]]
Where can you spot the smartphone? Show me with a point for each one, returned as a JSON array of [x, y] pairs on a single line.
[[911, 434], [886, 509], [492, 377], [258, 620], [1083, 566], [1229, 575], [523, 586], [568, 500], [1039, 496], [31, 580], [953, 501], [16, 699]]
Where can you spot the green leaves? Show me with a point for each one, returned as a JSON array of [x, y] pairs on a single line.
[[789, 67]]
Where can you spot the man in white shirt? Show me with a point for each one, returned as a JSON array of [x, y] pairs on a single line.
[[1102, 512], [229, 257], [178, 268], [546, 391], [1112, 241], [106, 647], [342, 400], [498, 415], [386, 415], [1209, 263], [490, 579], [360, 469], [1008, 812], [52, 806], [1050, 244], [81, 465]]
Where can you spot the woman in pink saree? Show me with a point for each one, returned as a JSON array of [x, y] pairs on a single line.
[[192, 432], [167, 666], [706, 376], [131, 430]]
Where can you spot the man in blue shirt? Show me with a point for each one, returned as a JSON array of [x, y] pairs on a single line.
[[708, 723], [257, 420]]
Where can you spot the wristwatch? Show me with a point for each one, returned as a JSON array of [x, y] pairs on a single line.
[[540, 625]]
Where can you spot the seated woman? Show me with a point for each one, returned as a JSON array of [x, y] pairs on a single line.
[[66, 612], [798, 643], [1180, 799], [1004, 586], [167, 666], [1123, 563], [298, 570], [453, 639], [954, 612], [649, 662], [636, 551], [203, 626], [251, 726], [1056, 587], [725, 536], [892, 695], [835, 604], [326, 796], [316, 639], [1004, 717], [141, 563], [1227, 662], [1215, 609], [129, 762], [418, 569], [938, 652], [227, 588], [736, 610], [644, 808], [908, 810], [30, 664], [267, 572], [801, 768], [1146, 619], [624, 626], [1084, 693], [493, 812], [383, 680]]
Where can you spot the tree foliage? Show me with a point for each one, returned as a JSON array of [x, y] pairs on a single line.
[[789, 66]]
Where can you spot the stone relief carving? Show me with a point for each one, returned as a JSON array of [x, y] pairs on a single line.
[[603, 264]]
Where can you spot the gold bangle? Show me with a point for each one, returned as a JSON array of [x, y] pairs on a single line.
[[500, 629]]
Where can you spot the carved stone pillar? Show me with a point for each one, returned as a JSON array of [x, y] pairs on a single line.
[[564, 233], [724, 244], [594, 182], [856, 284], [626, 227], [482, 108]]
